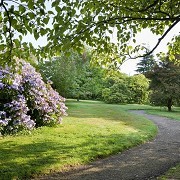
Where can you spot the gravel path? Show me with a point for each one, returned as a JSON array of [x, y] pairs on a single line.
[[146, 161]]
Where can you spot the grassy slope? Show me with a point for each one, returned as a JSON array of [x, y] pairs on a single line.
[[175, 114], [92, 130]]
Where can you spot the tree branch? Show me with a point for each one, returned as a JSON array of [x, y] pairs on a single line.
[[9, 29], [145, 9], [163, 36], [1, 4], [157, 44]]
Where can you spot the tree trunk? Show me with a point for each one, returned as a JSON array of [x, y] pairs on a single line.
[[169, 104]]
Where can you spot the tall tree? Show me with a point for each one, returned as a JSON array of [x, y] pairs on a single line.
[[146, 64], [165, 84], [73, 76], [76, 22]]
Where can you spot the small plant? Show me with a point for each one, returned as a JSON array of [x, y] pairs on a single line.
[[26, 101]]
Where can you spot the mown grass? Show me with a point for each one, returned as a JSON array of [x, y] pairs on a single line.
[[92, 130]]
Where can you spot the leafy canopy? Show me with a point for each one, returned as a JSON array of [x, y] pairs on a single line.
[[75, 22]]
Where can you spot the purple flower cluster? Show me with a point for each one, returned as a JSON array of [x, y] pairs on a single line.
[[27, 101]]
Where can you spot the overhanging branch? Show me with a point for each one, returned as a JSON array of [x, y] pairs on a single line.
[[163, 36]]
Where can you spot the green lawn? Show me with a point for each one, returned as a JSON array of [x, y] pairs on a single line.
[[160, 111], [175, 114], [92, 130]]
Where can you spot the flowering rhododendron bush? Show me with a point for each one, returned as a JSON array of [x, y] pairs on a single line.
[[26, 101]]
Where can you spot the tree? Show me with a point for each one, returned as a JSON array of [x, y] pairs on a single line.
[[76, 22], [116, 89], [91, 83], [139, 88], [165, 84], [146, 64], [63, 72], [73, 76]]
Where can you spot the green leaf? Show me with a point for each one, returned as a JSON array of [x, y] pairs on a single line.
[[36, 34], [14, 22], [50, 12], [58, 9], [31, 15], [17, 42], [46, 20], [2, 47], [31, 4], [43, 31], [22, 9]]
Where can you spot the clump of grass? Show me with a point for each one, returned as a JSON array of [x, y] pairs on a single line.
[[92, 130], [172, 173]]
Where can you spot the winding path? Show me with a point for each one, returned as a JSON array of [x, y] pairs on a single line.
[[146, 161]]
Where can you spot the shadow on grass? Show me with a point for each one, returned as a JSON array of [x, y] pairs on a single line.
[[24, 161], [130, 165]]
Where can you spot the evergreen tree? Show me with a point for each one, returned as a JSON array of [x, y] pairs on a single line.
[[146, 64]]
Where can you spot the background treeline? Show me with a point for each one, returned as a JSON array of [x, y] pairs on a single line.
[[76, 77], [156, 82]]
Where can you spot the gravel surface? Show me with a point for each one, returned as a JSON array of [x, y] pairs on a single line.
[[146, 161]]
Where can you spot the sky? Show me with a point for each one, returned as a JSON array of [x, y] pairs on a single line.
[[147, 37]]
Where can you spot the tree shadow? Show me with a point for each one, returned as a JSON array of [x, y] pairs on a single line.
[[25, 161], [21, 161], [143, 162]]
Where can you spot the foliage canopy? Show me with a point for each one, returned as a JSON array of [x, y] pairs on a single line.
[[76, 22]]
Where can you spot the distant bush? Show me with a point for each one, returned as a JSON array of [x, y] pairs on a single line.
[[124, 89], [26, 101], [118, 92]]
